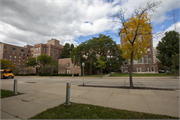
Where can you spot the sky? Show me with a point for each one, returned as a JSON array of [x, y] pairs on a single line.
[[32, 22]]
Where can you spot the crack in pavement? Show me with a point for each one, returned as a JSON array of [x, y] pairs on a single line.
[[11, 114]]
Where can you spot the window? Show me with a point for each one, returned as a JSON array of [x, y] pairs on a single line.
[[15, 53], [5, 51], [135, 62], [15, 60], [4, 55], [68, 64], [19, 53], [4, 47], [148, 50], [138, 69], [108, 51], [10, 52], [147, 69], [26, 61], [52, 49], [123, 35], [141, 60], [19, 56], [27, 54], [27, 57], [10, 56], [146, 59], [125, 69], [4, 59], [108, 56], [148, 42], [32, 54], [68, 72], [47, 49], [10, 59], [43, 49], [23, 57], [14, 63], [149, 60], [14, 56], [23, 63], [125, 62], [22, 50], [19, 60], [23, 60], [19, 64], [56, 56], [24, 54], [56, 51], [152, 69], [52, 55], [13, 48]]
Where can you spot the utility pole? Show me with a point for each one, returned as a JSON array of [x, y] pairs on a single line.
[[73, 67]]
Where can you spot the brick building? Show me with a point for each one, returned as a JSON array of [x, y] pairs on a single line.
[[66, 67], [19, 55], [144, 65]]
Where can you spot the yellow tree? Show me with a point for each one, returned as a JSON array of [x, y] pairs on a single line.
[[137, 31]]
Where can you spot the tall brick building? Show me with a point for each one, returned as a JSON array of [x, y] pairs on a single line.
[[144, 65], [19, 55]]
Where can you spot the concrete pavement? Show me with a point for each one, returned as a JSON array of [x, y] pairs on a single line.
[[43, 94]]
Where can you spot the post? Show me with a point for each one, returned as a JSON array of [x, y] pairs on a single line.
[[15, 87], [83, 71], [68, 93]]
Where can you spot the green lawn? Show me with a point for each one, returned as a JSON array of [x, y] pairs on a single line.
[[141, 75], [85, 111], [6, 93]]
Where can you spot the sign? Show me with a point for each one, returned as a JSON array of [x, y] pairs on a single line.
[[83, 64]]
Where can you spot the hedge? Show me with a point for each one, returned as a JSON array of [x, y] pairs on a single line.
[[46, 74]]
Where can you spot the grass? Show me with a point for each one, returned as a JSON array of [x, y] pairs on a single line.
[[85, 111], [116, 74], [7, 93], [94, 75]]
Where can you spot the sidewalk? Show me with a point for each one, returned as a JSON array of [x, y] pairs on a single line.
[[41, 96]]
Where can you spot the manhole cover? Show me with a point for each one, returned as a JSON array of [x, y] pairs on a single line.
[[30, 82]]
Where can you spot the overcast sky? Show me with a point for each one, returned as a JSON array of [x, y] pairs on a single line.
[[74, 21]]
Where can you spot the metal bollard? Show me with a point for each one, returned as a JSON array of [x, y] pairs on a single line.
[[15, 87], [68, 93]]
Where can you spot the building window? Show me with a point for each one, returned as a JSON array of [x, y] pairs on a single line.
[[56, 51], [141, 60], [108, 56], [23, 60], [27, 54], [43, 49], [4, 59], [14, 56], [19, 53], [23, 63], [19, 56], [23, 57], [123, 35], [19, 64], [13, 48], [138, 69], [26, 61], [10, 52], [14, 63], [22, 50], [10, 59], [125, 62], [68, 64], [146, 59], [47, 49], [27, 57], [4, 47], [52, 55], [125, 69], [10, 56], [108, 51], [19, 60], [15, 60], [152, 69], [149, 60], [56, 56], [135, 62], [5, 51], [149, 50], [52, 49], [68, 72], [4, 55], [147, 69], [15, 53]]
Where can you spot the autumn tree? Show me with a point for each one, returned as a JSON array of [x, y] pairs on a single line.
[[101, 64], [6, 64], [137, 31]]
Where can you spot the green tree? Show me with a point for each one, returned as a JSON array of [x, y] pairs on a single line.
[[167, 47], [44, 60], [31, 62], [89, 51], [67, 50], [101, 64], [6, 64], [135, 27]]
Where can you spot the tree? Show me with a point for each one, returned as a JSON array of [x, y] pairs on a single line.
[[44, 60], [134, 27], [54, 66], [67, 50], [89, 51], [6, 64], [63, 67], [167, 47], [31, 62], [101, 64]]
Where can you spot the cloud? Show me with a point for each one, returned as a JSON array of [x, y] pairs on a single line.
[[36, 21], [159, 35]]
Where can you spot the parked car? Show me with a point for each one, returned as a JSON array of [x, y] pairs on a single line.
[[162, 71]]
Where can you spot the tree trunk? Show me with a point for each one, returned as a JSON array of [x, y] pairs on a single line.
[[131, 68], [101, 72]]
